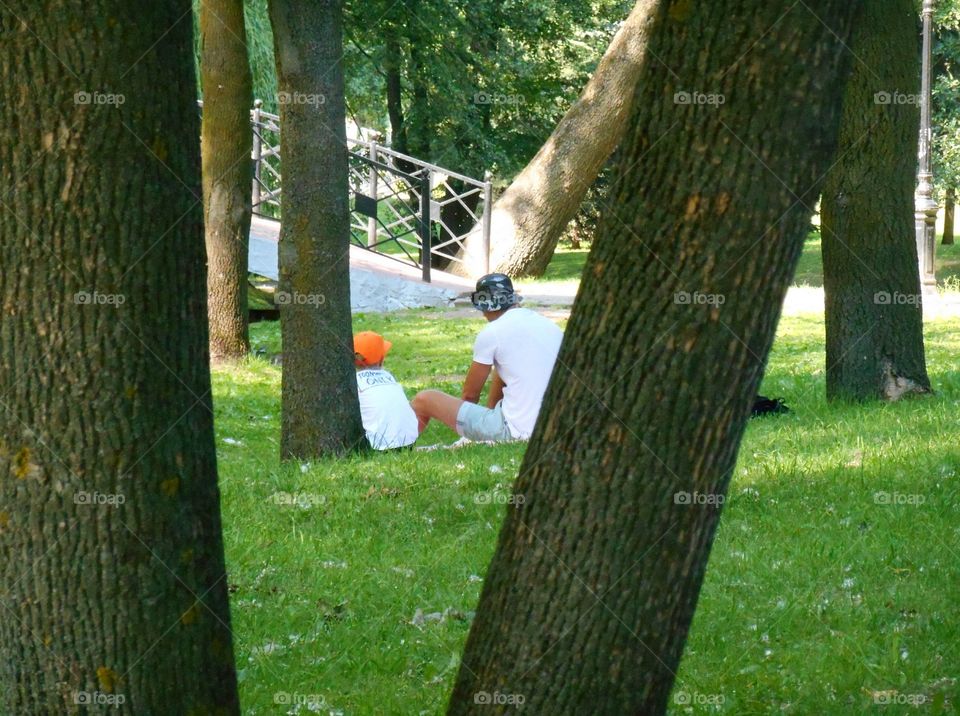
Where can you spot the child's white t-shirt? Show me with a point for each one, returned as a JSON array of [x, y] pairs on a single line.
[[388, 419]]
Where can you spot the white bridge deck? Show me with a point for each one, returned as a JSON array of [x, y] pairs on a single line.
[[377, 283]]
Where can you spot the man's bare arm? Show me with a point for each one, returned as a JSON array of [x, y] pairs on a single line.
[[496, 390], [473, 385]]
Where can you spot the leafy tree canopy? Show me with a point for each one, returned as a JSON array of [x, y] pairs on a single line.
[[485, 82]]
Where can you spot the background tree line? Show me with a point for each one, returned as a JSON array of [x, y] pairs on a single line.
[[473, 88]]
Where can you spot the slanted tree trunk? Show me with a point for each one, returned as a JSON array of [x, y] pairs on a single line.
[[320, 408], [587, 603], [949, 205], [871, 280], [530, 216], [113, 590], [227, 172]]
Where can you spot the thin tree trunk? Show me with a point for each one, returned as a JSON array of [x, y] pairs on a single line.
[[113, 589], [227, 172], [949, 205], [531, 215], [588, 600], [871, 279], [419, 124], [320, 408], [394, 87]]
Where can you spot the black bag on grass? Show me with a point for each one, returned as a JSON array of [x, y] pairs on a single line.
[[768, 406]]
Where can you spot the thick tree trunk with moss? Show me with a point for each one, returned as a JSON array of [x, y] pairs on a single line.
[[227, 172], [320, 408], [113, 590], [871, 280], [530, 216], [590, 594]]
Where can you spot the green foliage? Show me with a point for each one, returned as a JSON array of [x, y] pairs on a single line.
[[482, 84], [946, 94], [260, 47]]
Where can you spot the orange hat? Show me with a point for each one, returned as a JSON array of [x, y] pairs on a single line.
[[370, 348]]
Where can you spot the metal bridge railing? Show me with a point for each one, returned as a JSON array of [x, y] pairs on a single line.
[[402, 207]]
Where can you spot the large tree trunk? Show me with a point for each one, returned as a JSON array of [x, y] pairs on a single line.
[[320, 408], [227, 172], [871, 280], [587, 603], [112, 581], [530, 216], [949, 206]]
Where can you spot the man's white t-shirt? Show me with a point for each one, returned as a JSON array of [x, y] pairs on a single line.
[[522, 345], [388, 419]]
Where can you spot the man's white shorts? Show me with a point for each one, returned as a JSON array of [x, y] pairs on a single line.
[[479, 423]]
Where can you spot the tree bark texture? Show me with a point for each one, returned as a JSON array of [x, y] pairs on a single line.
[[227, 138], [531, 215], [320, 408], [113, 589], [590, 594], [871, 279]]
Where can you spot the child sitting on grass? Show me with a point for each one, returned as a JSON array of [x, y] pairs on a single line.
[[388, 419]]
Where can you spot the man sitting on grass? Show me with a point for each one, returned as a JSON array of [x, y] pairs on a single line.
[[521, 347], [388, 419]]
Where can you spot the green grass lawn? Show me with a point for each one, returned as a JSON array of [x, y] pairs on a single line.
[[819, 599], [567, 265]]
